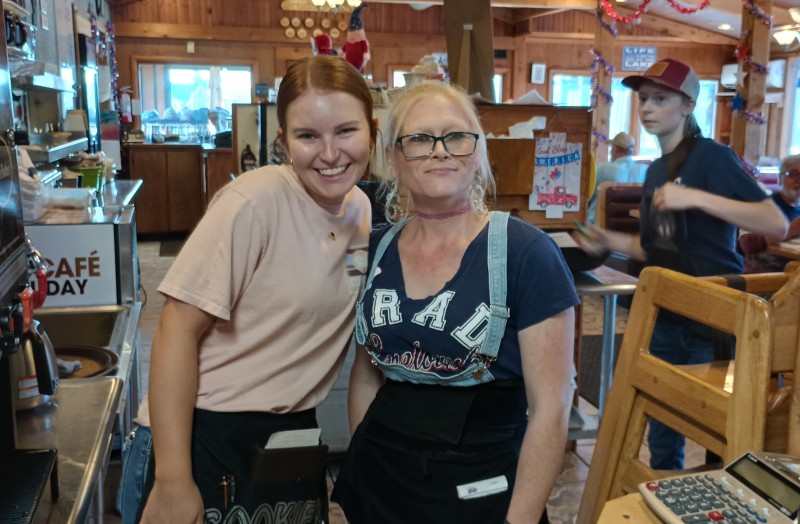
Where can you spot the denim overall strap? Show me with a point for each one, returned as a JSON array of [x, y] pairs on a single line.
[[498, 283], [361, 324]]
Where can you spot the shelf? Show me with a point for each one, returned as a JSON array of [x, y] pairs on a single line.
[[53, 154], [45, 81], [15, 8]]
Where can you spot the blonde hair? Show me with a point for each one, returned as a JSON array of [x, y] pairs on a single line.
[[401, 107]]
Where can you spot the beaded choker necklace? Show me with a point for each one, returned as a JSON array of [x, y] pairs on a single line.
[[442, 216]]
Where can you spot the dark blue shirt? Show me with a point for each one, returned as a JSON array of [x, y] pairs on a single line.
[[438, 335], [789, 210], [706, 244]]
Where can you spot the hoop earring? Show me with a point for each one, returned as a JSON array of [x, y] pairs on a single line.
[[391, 208], [477, 196]]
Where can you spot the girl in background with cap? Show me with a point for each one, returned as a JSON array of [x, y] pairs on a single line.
[[696, 196]]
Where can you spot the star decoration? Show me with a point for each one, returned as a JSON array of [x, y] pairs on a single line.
[[740, 74], [737, 102], [741, 52]]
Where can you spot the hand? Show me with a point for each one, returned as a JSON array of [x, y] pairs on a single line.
[[174, 502], [594, 241], [674, 197]]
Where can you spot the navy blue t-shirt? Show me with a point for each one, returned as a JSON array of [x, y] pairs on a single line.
[[438, 335], [707, 244], [789, 210]]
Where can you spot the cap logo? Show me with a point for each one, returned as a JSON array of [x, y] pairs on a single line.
[[657, 69]]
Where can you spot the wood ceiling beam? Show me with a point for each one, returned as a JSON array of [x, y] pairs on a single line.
[[673, 28], [258, 35], [532, 4], [512, 16], [780, 10]]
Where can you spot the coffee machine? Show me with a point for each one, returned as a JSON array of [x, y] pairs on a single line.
[[23, 473]]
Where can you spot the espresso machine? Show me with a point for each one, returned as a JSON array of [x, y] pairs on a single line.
[[23, 473]]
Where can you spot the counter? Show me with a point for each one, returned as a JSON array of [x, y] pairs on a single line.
[[180, 179], [79, 424], [92, 252], [116, 195]]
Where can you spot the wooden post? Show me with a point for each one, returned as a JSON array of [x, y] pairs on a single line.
[[468, 28], [603, 44], [462, 78], [746, 136]]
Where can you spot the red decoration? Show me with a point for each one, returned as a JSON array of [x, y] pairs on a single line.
[[625, 19], [741, 52], [688, 10]]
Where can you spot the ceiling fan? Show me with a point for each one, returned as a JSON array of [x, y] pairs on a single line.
[[788, 36]]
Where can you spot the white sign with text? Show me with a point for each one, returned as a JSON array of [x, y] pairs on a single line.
[[82, 260]]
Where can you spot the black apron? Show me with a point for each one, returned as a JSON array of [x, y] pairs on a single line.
[[417, 443], [241, 482]]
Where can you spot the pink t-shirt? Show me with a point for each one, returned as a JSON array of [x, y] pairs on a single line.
[[282, 275]]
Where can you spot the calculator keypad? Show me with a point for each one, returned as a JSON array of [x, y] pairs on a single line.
[[703, 498]]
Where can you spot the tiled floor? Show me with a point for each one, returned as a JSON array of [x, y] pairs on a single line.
[[565, 497]]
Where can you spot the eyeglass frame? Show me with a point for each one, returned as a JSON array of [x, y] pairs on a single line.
[[437, 139]]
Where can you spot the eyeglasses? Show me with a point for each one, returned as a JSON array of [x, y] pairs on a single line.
[[421, 145], [792, 173]]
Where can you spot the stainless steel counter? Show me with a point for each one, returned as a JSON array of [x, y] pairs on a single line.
[[117, 197], [79, 423]]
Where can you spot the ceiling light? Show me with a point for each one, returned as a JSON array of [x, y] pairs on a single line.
[[786, 37], [725, 27]]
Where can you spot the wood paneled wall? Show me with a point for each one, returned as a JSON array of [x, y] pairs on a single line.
[[250, 30]]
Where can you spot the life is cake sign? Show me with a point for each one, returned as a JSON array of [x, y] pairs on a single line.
[[82, 263], [556, 176]]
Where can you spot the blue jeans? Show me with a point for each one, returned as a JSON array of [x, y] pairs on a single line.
[[676, 342], [137, 459]]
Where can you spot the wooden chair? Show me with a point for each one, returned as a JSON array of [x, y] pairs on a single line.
[[696, 400]]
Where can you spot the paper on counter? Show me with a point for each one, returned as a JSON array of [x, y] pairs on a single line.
[[525, 129], [532, 97], [563, 239]]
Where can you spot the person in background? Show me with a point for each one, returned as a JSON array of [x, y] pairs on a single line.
[[259, 310], [463, 377], [788, 198], [696, 195], [756, 257], [622, 168]]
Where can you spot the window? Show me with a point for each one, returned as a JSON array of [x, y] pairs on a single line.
[[497, 85], [794, 138], [398, 78], [571, 90], [187, 92]]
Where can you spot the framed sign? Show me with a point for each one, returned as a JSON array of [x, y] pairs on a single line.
[[537, 73], [638, 58]]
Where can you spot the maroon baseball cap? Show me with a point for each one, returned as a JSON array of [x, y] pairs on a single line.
[[669, 73]]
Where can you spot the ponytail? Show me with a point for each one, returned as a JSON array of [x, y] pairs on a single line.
[[691, 135]]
